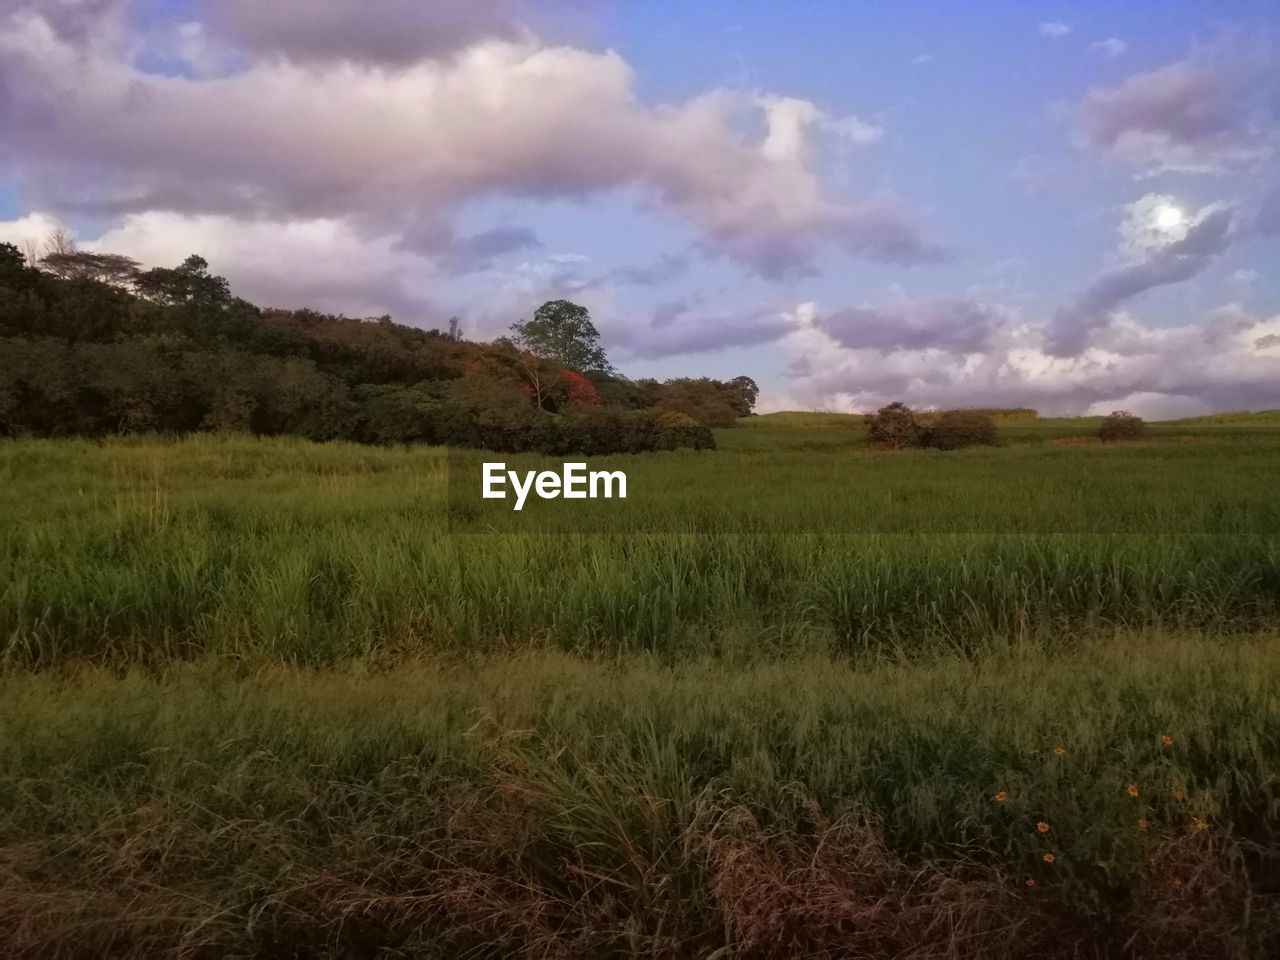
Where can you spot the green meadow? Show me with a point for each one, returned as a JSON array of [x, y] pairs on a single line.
[[794, 697]]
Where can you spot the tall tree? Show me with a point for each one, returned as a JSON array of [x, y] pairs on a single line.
[[13, 265], [743, 392], [189, 284], [112, 268], [562, 332]]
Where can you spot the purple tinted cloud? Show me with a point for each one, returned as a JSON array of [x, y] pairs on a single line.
[[956, 326], [1173, 263], [676, 329], [665, 269], [1190, 116], [462, 255], [377, 31], [1229, 359], [87, 128]]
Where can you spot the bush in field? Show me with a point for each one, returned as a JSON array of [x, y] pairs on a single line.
[[681, 430], [894, 426], [593, 431], [961, 428], [1121, 425]]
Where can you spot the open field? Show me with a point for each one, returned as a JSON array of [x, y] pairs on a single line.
[[545, 805], [257, 700], [137, 549]]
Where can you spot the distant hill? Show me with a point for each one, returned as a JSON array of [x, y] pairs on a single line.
[[91, 345]]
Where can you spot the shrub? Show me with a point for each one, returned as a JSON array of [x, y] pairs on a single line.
[[1121, 425], [595, 430], [962, 428], [894, 426], [391, 413], [681, 430]]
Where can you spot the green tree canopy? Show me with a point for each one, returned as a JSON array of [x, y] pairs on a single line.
[[562, 332]]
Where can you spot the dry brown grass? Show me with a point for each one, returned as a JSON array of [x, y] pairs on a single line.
[[839, 892], [489, 873]]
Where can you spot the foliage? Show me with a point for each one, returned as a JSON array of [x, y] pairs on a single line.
[[577, 389], [1121, 425], [563, 333], [894, 426], [111, 268], [710, 402], [898, 427], [954, 429], [677, 430], [744, 391], [90, 345]]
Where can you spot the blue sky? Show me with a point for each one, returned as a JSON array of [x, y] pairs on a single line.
[[850, 202]]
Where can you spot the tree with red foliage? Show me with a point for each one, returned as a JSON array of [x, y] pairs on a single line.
[[579, 391]]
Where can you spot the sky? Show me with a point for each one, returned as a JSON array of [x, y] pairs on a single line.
[[1068, 206]]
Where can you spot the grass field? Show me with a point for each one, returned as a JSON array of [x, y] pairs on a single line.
[[259, 700]]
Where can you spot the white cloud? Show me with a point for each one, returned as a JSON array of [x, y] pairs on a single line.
[[1055, 29], [393, 146], [1110, 48], [318, 262], [1151, 222], [1228, 360], [32, 229], [1152, 406]]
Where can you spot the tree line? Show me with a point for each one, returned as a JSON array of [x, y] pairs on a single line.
[[91, 344]]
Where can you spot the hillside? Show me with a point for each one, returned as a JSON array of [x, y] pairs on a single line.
[[90, 345]]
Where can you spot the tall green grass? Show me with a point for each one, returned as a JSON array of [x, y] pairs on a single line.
[[246, 809], [140, 550], [278, 708]]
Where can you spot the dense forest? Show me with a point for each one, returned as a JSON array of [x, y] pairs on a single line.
[[91, 344]]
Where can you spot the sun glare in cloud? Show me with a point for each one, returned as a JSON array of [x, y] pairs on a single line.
[[1168, 217], [1152, 222]]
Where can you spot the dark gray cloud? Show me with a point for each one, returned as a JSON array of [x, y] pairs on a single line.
[[1193, 116], [1267, 219], [956, 326], [877, 231], [667, 313], [462, 255], [663, 270], [676, 328], [374, 31], [1175, 262]]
